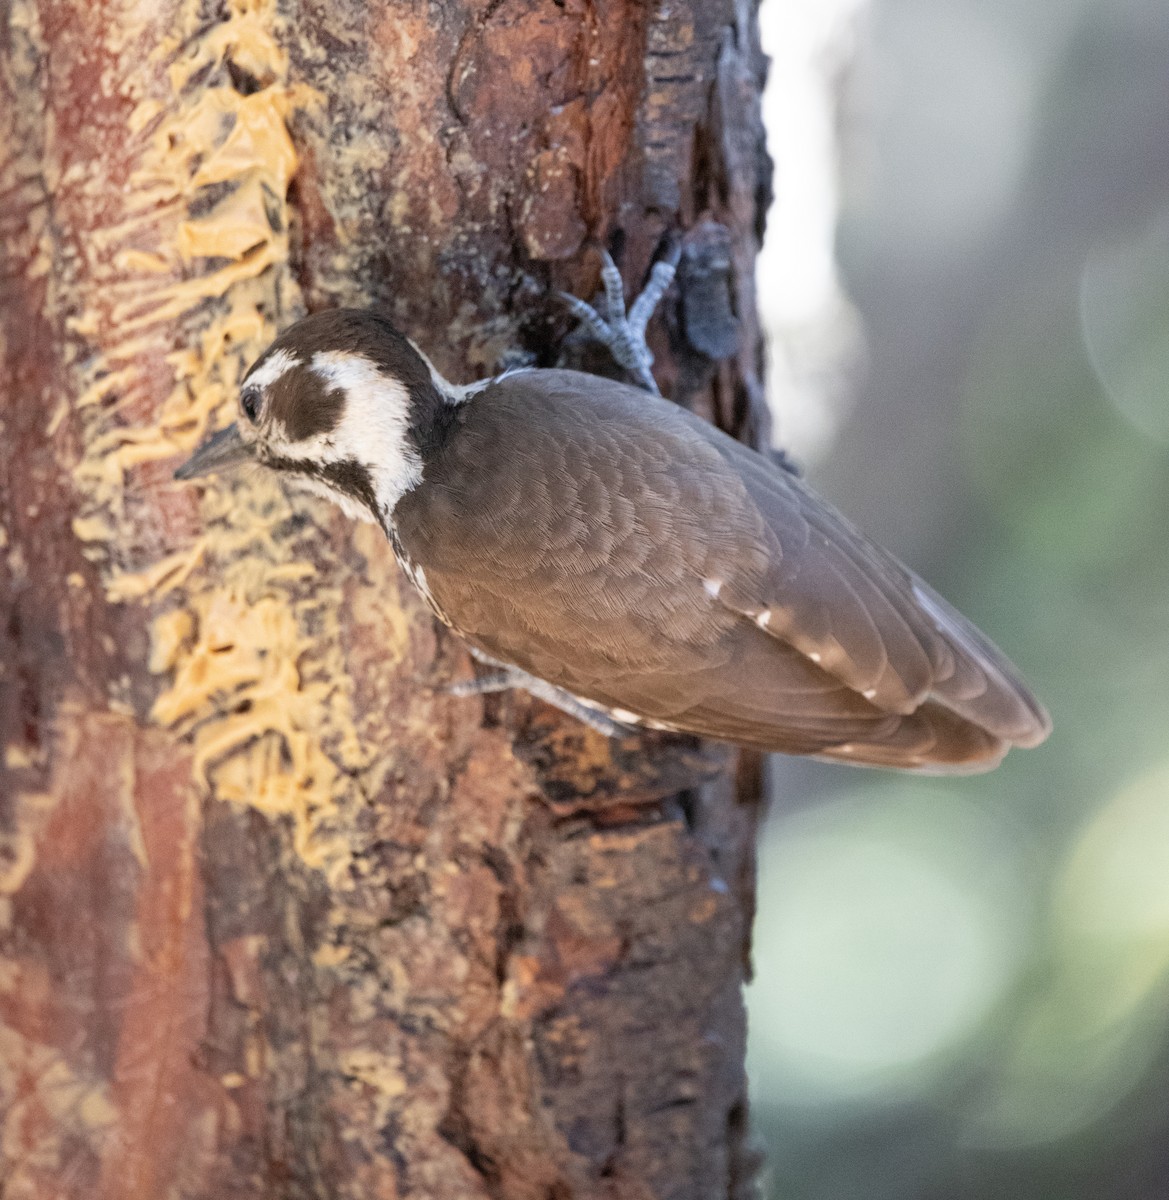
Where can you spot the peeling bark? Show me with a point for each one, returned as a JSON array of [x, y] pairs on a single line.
[[278, 917]]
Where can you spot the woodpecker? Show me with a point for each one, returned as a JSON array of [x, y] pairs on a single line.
[[618, 556]]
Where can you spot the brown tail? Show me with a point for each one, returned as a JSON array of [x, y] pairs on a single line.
[[974, 716], [932, 740]]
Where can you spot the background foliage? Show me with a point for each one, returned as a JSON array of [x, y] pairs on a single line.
[[961, 985]]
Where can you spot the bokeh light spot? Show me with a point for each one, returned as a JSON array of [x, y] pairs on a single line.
[[1098, 1012], [882, 943], [1124, 309]]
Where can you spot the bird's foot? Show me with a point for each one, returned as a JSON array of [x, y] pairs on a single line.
[[481, 685], [506, 678], [623, 334]]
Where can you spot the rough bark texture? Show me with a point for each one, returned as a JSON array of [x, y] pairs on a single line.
[[277, 916]]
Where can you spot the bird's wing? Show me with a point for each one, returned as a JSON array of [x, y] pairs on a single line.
[[628, 552], [579, 524], [869, 620]]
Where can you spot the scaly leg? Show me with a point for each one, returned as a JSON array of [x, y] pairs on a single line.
[[506, 677], [624, 334]]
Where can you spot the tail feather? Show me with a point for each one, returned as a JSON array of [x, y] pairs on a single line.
[[984, 687], [933, 740]]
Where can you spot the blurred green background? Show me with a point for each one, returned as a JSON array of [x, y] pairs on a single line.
[[962, 986]]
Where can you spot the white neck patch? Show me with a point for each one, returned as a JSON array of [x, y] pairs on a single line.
[[372, 430], [373, 426]]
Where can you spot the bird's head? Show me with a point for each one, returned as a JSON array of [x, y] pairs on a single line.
[[341, 403]]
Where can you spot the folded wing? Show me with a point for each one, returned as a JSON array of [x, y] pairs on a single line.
[[635, 556]]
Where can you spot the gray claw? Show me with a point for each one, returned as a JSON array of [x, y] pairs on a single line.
[[621, 333], [660, 279], [588, 317], [508, 677], [614, 289], [482, 685]]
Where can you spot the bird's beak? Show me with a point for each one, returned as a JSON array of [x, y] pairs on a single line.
[[219, 453]]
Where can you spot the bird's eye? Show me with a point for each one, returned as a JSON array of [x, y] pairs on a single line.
[[249, 401]]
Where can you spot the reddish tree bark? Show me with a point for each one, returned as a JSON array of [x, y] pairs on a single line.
[[277, 916]]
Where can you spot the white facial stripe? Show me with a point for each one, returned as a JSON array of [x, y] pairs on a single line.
[[373, 426], [272, 369]]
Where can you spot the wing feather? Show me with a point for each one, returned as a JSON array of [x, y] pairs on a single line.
[[931, 650]]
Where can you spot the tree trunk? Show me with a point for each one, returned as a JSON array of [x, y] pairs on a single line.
[[278, 916]]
